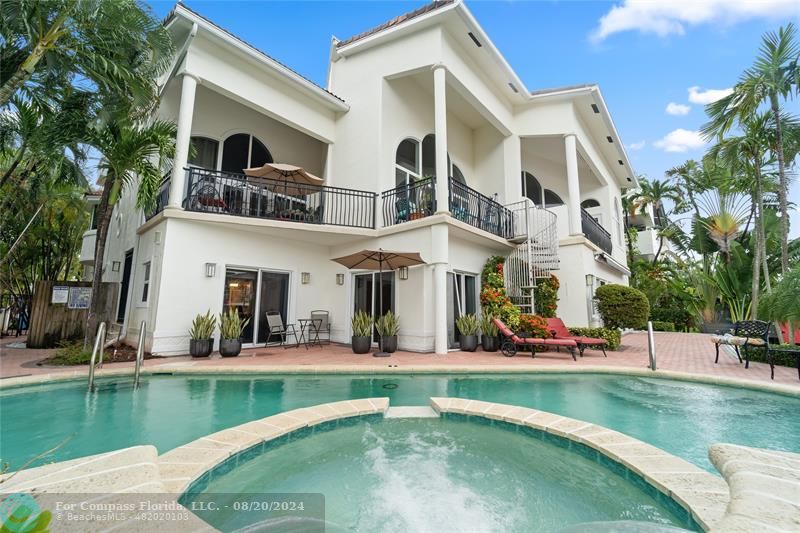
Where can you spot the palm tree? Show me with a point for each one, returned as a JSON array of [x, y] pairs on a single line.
[[654, 194], [133, 157], [117, 46], [724, 215], [690, 178], [769, 80]]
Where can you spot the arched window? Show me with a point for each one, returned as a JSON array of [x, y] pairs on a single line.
[[407, 162], [589, 203], [458, 175], [241, 151], [429, 156], [551, 199], [203, 153], [531, 188]]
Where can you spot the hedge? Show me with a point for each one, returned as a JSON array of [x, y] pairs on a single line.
[[622, 307], [659, 325], [613, 336], [780, 359]]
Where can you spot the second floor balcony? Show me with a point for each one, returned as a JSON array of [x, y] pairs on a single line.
[[596, 233]]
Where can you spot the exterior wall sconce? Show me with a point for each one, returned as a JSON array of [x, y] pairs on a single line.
[[340, 279], [305, 278], [403, 273], [589, 280], [115, 266], [211, 270]]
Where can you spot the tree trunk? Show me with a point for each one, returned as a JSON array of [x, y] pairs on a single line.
[[783, 189], [104, 211], [14, 165], [758, 243]]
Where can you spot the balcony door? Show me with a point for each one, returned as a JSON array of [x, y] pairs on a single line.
[[367, 299], [253, 293], [240, 294], [462, 298]]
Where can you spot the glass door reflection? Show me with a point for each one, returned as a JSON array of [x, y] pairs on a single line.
[[240, 294]]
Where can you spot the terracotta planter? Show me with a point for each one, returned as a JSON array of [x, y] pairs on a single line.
[[489, 343], [361, 344], [469, 343], [230, 347], [390, 344], [201, 347]]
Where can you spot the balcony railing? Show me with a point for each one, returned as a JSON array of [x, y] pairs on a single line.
[[213, 191], [409, 202], [595, 232], [162, 199], [472, 207]]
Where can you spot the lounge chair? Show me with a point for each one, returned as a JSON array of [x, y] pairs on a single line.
[[559, 331], [512, 340]]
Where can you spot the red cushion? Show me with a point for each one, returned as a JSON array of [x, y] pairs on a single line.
[[560, 342], [557, 325], [589, 340]]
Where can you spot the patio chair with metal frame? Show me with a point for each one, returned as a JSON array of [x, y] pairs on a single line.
[[276, 327], [321, 325]]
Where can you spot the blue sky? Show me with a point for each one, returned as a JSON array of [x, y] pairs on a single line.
[[644, 55]]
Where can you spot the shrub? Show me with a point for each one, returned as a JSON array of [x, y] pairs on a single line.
[[494, 300], [71, 353], [231, 324], [534, 325], [545, 296], [467, 324], [780, 359], [487, 326], [388, 325], [622, 307], [362, 324], [659, 325], [613, 336], [203, 326]]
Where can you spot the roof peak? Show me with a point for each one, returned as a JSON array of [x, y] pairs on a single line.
[[396, 21]]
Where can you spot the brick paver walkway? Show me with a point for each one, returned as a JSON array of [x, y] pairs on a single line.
[[681, 352]]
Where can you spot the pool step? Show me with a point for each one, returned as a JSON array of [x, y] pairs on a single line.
[[423, 411]]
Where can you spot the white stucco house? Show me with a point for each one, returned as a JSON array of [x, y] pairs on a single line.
[[427, 140]]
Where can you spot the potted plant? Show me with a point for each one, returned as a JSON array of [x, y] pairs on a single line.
[[388, 326], [362, 332], [468, 328], [201, 343], [489, 340], [231, 326]]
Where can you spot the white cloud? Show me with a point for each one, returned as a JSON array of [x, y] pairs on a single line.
[[698, 95], [677, 109], [680, 140], [636, 146], [672, 17]]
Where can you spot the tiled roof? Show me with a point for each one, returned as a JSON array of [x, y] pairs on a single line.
[[436, 4], [248, 45]]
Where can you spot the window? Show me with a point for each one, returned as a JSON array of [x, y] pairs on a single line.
[[591, 202], [531, 188], [93, 224], [407, 162], [146, 282], [203, 153], [241, 151], [551, 199]]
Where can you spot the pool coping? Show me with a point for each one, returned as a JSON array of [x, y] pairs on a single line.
[[76, 375]]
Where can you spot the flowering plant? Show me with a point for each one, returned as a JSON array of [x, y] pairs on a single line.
[[535, 325], [494, 300]]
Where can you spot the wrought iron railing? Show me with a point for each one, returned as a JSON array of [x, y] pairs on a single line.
[[472, 207], [596, 233], [409, 202], [213, 191], [162, 199]]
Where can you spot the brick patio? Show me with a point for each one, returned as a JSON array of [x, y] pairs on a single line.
[[690, 353]]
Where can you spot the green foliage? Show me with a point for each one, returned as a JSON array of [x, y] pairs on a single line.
[[487, 326], [361, 324], [231, 324], [675, 308], [612, 336], [203, 326], [783, 303], [759, 355], [622, 307], [494, 300], [533, 326], [388, 325], [467, 324], [545, 296], [71, 353], [658, 325]]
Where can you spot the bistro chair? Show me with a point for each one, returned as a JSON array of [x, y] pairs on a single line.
[[321, 327], [277, 327]]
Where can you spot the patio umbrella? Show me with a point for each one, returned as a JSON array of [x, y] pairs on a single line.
[[378, 260], [284, 178]]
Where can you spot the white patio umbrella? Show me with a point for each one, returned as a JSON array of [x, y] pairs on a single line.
[[284, 178]]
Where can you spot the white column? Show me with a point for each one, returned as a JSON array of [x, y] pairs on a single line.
[[440, 260], [182, 141], [440, 129], [573, 185]]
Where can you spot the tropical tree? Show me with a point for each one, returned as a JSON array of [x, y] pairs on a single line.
[[771, 79], [134, 159], [724, 215], [655, 194]]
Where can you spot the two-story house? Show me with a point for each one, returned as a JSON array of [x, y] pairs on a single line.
[[427, 141]]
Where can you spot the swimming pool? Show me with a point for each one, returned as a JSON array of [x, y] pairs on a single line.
[[426, 475], [680, 417]]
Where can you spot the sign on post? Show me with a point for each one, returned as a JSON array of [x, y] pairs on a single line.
[[60, 295], [79, 297]]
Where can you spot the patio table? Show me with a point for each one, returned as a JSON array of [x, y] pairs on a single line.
[[312, 327]]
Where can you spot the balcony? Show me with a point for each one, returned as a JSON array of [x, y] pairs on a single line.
[[596, 233], [213, 191], [409, 202]]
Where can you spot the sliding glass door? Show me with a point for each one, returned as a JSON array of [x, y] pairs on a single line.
[[253, 293], [462, 298], [367, 299], [240, 294], [274, 297]]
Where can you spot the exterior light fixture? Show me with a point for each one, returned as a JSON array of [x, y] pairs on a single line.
[[340, 279], [403, 273], [115, 266], [589, 280], [211, 270], [305, 278]]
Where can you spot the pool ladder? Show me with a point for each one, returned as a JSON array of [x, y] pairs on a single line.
[[99, 346]]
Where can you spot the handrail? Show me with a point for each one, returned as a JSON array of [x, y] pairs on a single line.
[[162, 198], [409, 202], [595, 232], [98, 345], [139, 355], [478, 210]]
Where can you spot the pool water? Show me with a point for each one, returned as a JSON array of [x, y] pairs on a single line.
[[432, 475], [682, 418]]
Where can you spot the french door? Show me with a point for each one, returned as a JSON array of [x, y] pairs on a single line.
[[369, 300], [462, 298], [253, 293]]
